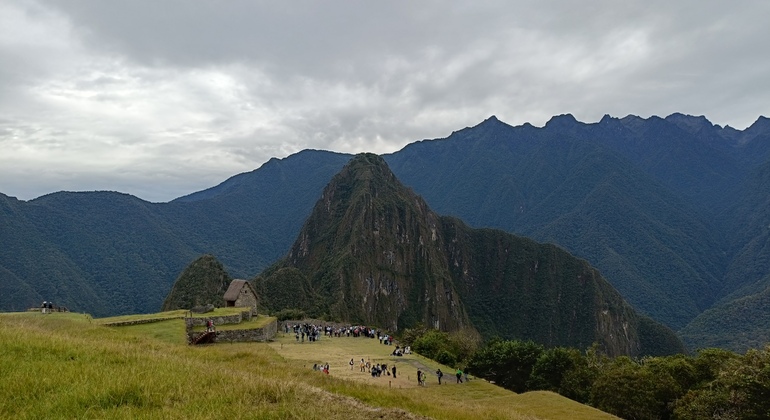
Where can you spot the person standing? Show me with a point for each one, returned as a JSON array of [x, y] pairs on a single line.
[[394, 371], [351, 363], [440, 375]]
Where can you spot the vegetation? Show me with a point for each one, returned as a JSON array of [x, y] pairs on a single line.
[[203, 282], [355, 248], [712, 384], [64, 366], [673, 212]]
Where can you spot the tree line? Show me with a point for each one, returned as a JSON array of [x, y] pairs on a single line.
[[712, 383]]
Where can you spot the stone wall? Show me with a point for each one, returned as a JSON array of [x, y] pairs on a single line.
[[265, 333], [246, 315], [247, 298]]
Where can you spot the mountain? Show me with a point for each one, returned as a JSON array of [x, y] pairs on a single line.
[[739, 324], [204, 281], [108, 253], [672, 211], [558, 184], [367, 253], [249, 220], [373, 252]]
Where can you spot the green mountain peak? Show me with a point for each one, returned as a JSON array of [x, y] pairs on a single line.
[[373, 252]]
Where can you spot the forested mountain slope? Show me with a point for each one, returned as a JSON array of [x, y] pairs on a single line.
[[673, 212], [544, 184], [373, 252]]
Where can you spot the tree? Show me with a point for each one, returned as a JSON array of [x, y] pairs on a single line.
[[632, 391], [740, 388], [551, 368], [507, 363]]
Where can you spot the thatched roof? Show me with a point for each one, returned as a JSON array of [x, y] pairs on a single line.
[[235, 288]]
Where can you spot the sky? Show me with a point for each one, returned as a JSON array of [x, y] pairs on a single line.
[[160, 99]]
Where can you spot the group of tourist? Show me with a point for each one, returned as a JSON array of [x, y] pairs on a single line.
[[398, 351], [312, 332], [376, 370], [440, 375], [321, 367], [48, 307]]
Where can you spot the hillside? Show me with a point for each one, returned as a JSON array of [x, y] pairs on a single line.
[[739, 324], [372, 252], [148, 371], [556, 185], [203, 282], [670, 210]]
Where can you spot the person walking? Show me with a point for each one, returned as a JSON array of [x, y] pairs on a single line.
[[459, 375]]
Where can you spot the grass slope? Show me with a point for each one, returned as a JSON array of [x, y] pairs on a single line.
[[69, 366]]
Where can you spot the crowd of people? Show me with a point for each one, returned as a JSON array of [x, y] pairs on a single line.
[[313, 332]]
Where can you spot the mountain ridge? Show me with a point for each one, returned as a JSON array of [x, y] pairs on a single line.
[[373, 252], [59, 248]]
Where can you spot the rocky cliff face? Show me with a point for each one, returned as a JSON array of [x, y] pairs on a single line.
[[515, 287], [372, 251]]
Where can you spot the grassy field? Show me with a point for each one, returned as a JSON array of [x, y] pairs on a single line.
[[66, 365]]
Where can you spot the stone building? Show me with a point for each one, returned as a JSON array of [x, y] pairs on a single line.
[[241, 294]]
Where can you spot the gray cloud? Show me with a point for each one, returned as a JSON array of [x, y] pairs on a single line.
[[159, 99]]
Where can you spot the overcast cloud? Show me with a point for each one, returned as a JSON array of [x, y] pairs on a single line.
[[163, 98]]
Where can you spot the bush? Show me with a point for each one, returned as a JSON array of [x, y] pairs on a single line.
[[507, 363], [446, 358], [290, 314]]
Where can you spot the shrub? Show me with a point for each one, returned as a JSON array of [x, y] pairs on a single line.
[[290, 313]]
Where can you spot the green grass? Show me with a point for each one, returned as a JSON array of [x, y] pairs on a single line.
[[68, 366], [255, 322], [180, 313]]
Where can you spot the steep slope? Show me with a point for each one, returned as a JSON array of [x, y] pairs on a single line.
[[632, 196], [738, 325], [750, 266], [122, 247], [204, 281], [690, 156], [109, 253], [372, 251], [556, 184], [34, 269], [740, 319], [249, 220], [370, 254]]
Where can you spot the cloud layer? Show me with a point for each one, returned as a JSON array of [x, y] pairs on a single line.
[[160, 99]]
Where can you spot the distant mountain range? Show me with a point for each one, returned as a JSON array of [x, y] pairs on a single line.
[[674, 212]]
